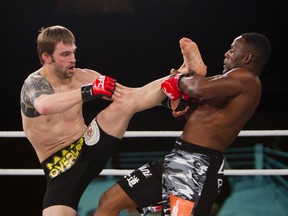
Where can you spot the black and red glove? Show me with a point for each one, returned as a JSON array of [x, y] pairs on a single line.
[[171, 86], [102, 86]]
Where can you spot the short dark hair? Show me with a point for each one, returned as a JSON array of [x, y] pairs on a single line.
[[50, 36], [260, 46]]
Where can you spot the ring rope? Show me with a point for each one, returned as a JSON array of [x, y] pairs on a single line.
[[243, 133], [121, 172], [230, 172]]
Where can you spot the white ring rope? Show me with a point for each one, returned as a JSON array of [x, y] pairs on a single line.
[[122, 172], [243, 133]]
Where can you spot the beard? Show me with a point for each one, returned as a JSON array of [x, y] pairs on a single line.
[[64, 73]]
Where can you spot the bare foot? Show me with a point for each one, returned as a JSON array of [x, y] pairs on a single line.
[[192, 58]]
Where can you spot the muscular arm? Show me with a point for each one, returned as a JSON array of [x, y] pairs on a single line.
[[42, 97], [57, 103], [38, 98], [220, 86]]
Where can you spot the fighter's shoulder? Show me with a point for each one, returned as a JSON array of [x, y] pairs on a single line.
[[35, 76], [86, 75], [35, 81], [241, 73], [36, 84], [245, 78], [239, 70], [86, 71]]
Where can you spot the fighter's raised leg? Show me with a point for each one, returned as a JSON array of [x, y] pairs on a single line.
[[192, 58]]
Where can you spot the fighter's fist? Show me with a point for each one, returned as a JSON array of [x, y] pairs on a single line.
[[171, 87], [102, 86]]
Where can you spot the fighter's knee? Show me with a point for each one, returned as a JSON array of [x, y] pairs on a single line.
[[103, 200], [106, 206], [102, 208]]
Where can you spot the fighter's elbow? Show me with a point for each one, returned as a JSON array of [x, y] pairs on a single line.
[[42, 107], [43, 110]]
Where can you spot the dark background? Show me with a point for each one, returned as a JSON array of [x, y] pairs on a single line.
[[134, 41]]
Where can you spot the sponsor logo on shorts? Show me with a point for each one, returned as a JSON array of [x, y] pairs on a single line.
[[132, 180], [145, 171], [220, 173], [180, 206], [66, 160], [92, 134]]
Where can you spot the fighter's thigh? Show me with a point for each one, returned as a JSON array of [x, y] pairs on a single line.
[[115, 196], [59, 210]]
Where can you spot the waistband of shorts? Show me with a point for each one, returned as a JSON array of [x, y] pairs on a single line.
[[190, 147], [73, 150]]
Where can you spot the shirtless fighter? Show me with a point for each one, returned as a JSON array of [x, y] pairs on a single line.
[[188, 180], [71, 153]]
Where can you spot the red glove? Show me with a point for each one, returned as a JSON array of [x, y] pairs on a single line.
[[102, 86], [171, 87]]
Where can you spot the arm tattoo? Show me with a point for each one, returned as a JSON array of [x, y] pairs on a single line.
[[34, 86]]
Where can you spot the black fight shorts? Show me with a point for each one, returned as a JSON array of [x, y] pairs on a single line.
[[143, 185], [189, 171], [70, 170]]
